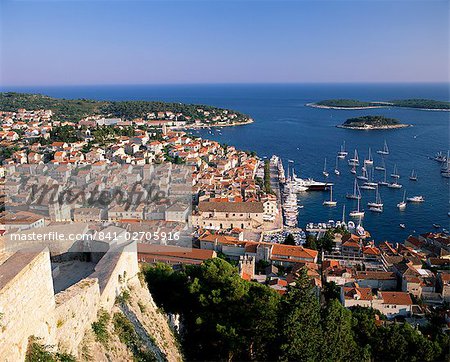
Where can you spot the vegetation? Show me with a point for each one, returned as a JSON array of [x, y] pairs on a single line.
[[36, 351], [267, 185], [128, 336], [370, 121], [76, 109], [409, 103], [227, 318], [100, 328]]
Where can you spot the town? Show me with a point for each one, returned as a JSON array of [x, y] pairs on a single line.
[[225, 203]]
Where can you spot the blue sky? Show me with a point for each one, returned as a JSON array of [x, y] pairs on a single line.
[[244, 41]]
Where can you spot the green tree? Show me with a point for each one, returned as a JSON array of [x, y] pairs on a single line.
[[301, 336]]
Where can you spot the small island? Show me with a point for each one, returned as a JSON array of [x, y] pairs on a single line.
[[372, 123], [423, 104]]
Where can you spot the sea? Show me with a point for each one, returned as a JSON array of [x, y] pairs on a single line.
[[285, 126]]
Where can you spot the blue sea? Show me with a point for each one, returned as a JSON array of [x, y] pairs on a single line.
[[286, 127]]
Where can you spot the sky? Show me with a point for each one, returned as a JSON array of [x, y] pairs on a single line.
[[76, 42]]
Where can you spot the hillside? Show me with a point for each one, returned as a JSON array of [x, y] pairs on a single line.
[[76, 109], [426, 104]]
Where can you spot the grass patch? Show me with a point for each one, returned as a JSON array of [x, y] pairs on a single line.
[[100, 328]]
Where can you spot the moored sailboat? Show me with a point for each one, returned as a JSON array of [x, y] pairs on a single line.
[[330, 202], [402, 205], [355, 160], [355, 195], [385, 150]]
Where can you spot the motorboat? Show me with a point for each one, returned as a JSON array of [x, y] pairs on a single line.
[[415, 199]]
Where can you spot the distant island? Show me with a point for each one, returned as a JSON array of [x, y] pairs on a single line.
[[76, 110], [425, 104], [372, 123]]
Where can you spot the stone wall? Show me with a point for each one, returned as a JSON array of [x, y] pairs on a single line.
[[26, 303], [76, 309]]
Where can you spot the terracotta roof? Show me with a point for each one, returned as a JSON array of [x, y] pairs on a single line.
[[379, 275], [293, 251], [398, 298], [360, 293], [243, 207]]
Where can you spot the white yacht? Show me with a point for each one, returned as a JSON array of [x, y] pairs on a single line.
[[325, 172], [369, 160], [377, 203], [395, 173], [415, 199], [330, 202], [336, 168], [385, 150], [402, 205], [342, 153], [355, 195], [357, 212], [355, 160]]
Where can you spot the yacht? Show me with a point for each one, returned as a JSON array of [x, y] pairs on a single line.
[[403, 226], [413, 176], [353, 170], [440, 157], [363, 177], [402, 205], [342, 153], [355, 195], [376, 209], [394, 185], [415, 199], [310, 184], [357, 212], [330, 202], [378, 202], [336, 169], [369, 160], [385, 150], [395, 173], [382, 167], [384, 182], [325, 172], [365, 186], [355, 160]]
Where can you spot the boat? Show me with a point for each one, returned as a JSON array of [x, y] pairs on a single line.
[[394, 185], [353, 170], [310, 184], [367, 187], [357, 212], [385, 150], [363, 177], [369, 160], [413, 176], [403, 226], [376, 209], [378, 202], [402, 205], [330, 202], [342, 153], [415, 199], [355, 160], [437, 226], [336, 169], [382, 167], [440, 157], [395, 173], [325, 173], [384, 182], [371, 183], [355, 195]]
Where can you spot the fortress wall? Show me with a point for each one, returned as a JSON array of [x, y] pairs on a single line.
[[76, 309], [26, 303], [114, 270]]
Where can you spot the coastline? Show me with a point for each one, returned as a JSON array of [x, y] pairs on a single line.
[[371, 128], [232, 124], [314, 105]]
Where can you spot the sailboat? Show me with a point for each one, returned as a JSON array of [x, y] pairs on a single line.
[[370, 177], [342, 153], [369, 160], [325, 173], [336, 169], [382, 167], [402, 205], [385, 150], [355, 195], [384, 182], [363, 176], [330, 202], [394, 185], [353, 170], [413, 176], [357, 212], [395, 173], [355, 160], [378, 203]]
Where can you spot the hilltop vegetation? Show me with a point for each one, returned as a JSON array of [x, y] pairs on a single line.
[[408, 103], [227, 318], [76, 109], [372, 122]]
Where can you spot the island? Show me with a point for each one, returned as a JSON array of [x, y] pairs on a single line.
[[151, 112], [372, 123], [423, 104]]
